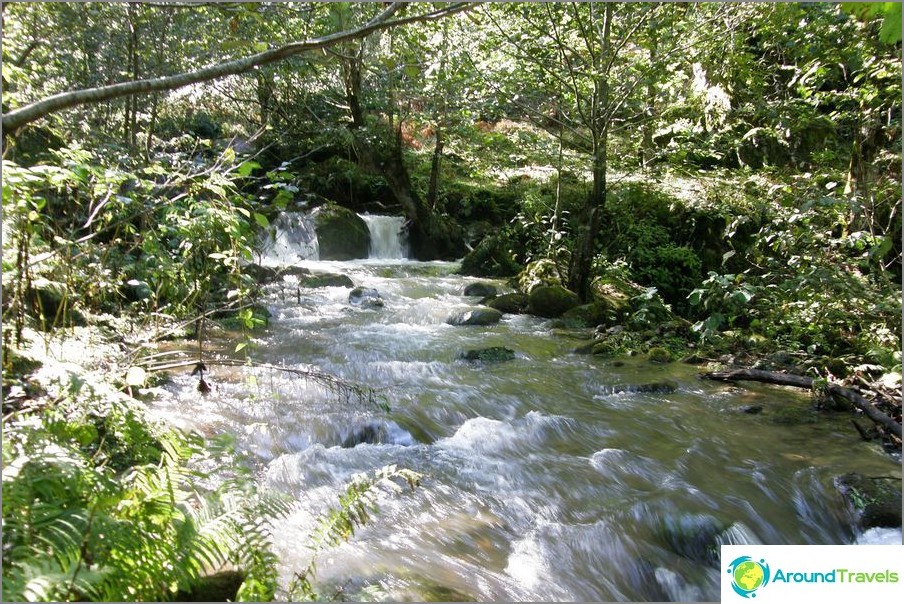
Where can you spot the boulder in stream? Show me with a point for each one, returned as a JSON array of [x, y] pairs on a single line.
[[551, 301], [325, 280], [513, 304], [365, 297], [475, 316], [493, 354], [483, 290], [341, 234], [590, 315]]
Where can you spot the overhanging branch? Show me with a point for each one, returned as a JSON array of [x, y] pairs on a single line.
[[17, 118]]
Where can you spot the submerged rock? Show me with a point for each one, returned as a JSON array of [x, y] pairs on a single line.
[[476, 316], [325, 280], [371, 434], [513, 304], [494, 354], [366, 297], [483, 290], [664, 387], [695, 537]]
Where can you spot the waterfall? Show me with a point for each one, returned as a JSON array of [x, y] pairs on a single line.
[[387, 236], [289, 239]]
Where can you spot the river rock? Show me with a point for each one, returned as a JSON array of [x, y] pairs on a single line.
[[475, 316], [551, 301], [299, 272], [483, 290], [543, 272], [589, 315], [876, 502], [513, 304], [365, 297], [493, 354], [341, 234], [261, 274], [371, 434], [664, 387], [695, 536], [325, 280]]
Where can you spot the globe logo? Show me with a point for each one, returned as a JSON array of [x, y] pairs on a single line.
[[748, 575]]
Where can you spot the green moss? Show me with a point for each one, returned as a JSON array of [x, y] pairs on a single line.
[[659, 355], [551, 301]]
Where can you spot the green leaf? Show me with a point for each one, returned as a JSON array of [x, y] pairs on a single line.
[[247, 167], [261, 220]]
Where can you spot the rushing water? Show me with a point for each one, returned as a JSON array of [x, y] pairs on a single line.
[[553, 476]]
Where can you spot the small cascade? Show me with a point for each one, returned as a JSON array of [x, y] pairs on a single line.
[[291, 238], [387, 236]]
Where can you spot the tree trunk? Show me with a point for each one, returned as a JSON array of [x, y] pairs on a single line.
[[435, 165], [429, 238], [580, 269]]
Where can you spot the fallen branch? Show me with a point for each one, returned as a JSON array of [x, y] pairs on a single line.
[[800, 381], [364, 394]]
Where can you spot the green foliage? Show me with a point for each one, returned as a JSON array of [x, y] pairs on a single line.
[[101, 504], [888, 12], [645, 233], [355, 508], [167, 237]]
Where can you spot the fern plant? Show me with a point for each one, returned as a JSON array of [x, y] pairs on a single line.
[[101, 504], [338, 524]]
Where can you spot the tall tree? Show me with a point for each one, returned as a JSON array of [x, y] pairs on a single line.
[[587, 62]]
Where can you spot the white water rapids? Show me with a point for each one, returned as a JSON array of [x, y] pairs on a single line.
[[548, 477]]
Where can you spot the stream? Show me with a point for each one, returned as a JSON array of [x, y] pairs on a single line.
[[553, 476]]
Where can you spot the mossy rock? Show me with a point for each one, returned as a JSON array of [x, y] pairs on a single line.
[[875, 501], [491, 258], [590, 315], [325, 280], [475, 316], [512, 304], [483, 290], [659, 355], [493, 354], [551, 301], [341, 234], [539, 273]]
